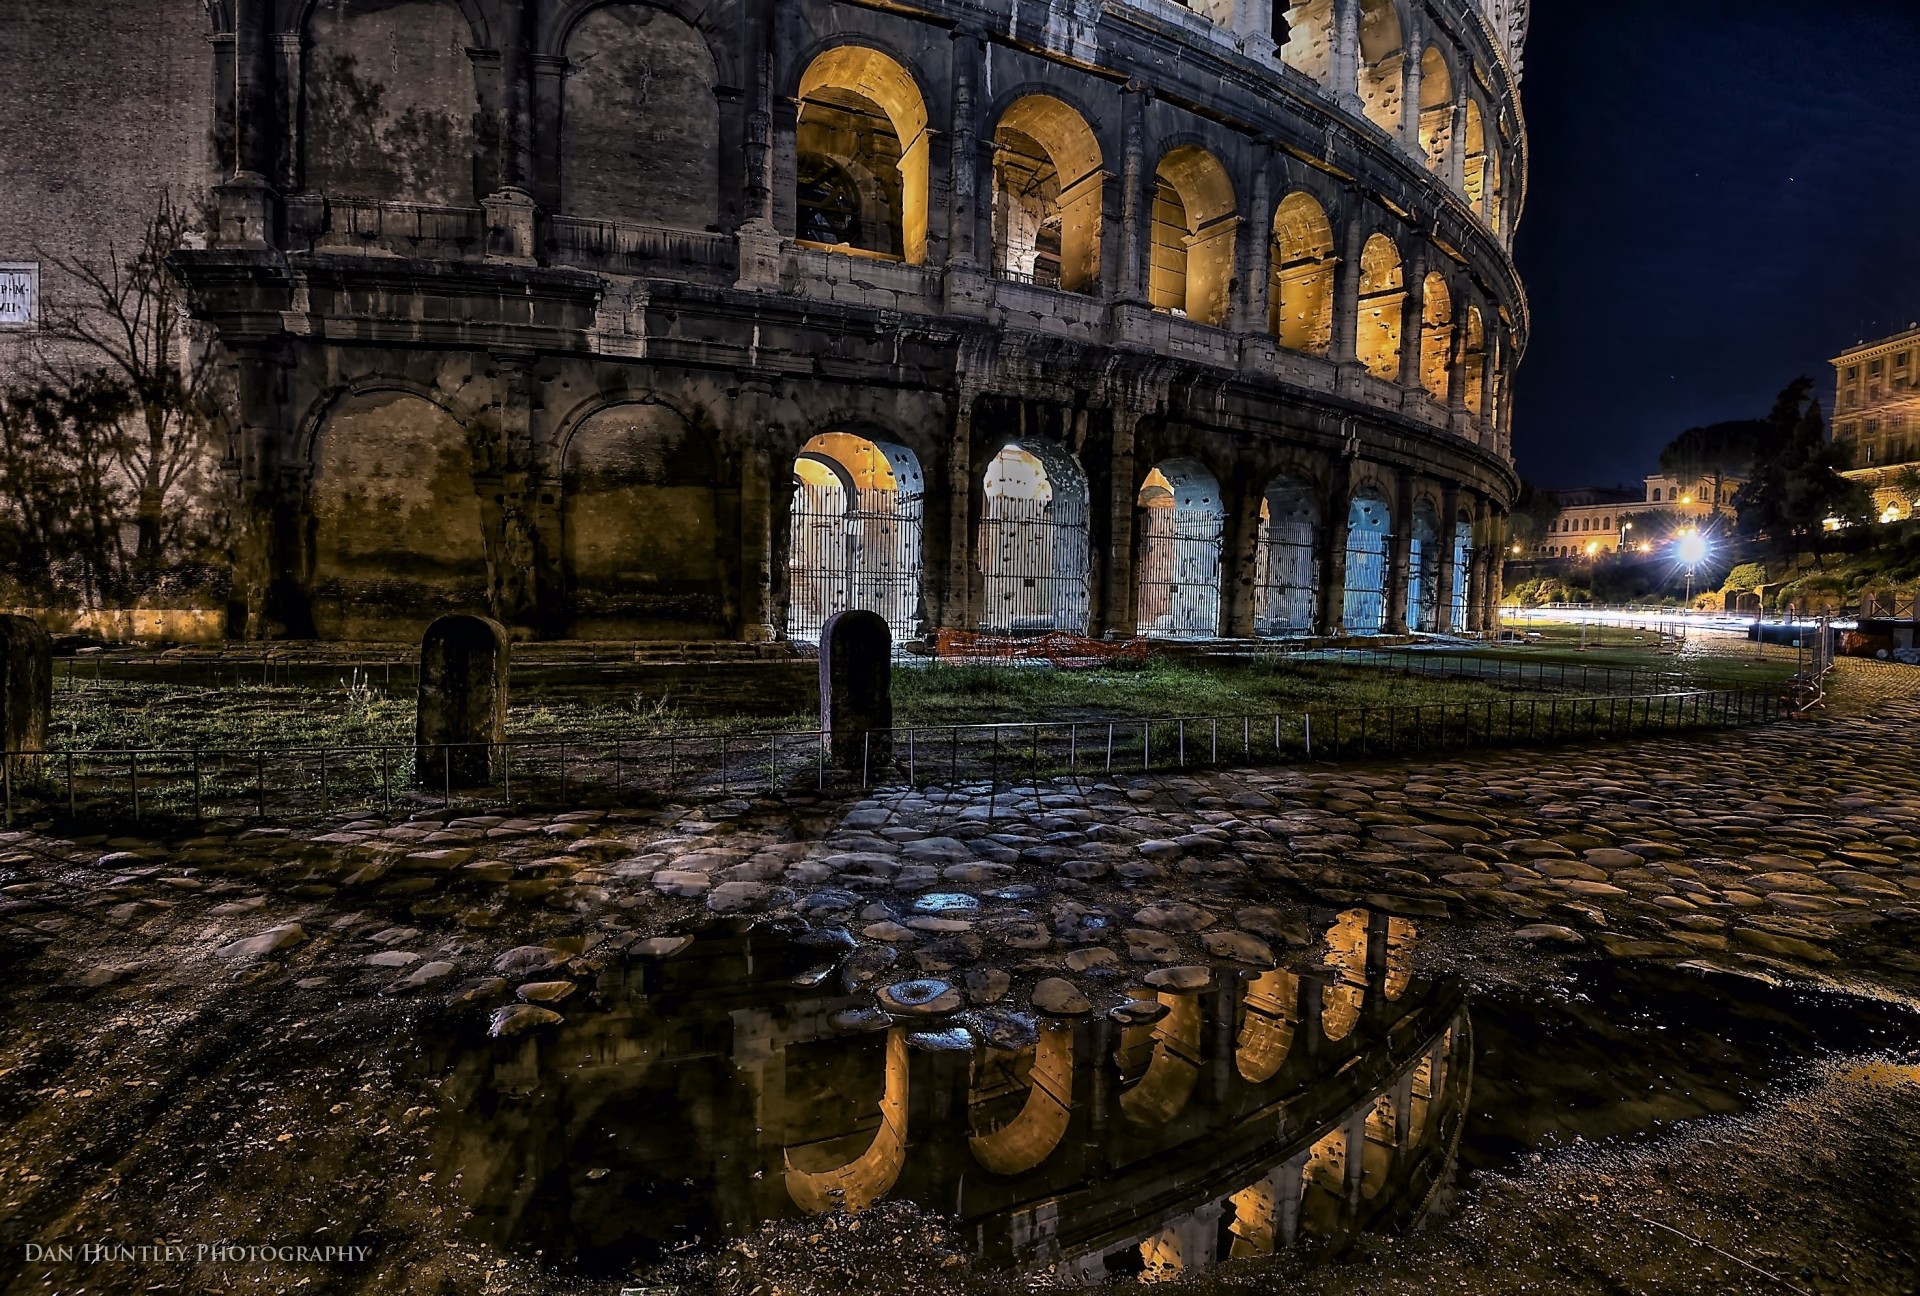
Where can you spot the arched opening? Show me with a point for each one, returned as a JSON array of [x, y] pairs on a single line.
[[1036, 1086], [1475, 171], [1323, 1185], [1382, 63], [396, 519], [641, 526], [1376, 1152], [1287, 559], [1194, 219], [1494, 178], [1309, 44], [1436, 337], [1369, 536], [1423, 570], [854, 534], [1047, 190], [1474, 394], [1159, 1064], [1301, 294], [1344, 996], [861, 175], [1383, 294], [1462, 559], [854, 1185], [390, 102], [1181, 518], [641, 138], [1032, 542], [1436, 108], [1270, 1009]]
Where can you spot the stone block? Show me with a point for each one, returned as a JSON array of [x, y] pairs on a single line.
[[856, 690], [462, 710], [26, 685]]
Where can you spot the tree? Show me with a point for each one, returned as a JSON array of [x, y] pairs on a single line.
[[1717, 451], [61, 489], [130, 329], [1527, 521], [1797, 484]]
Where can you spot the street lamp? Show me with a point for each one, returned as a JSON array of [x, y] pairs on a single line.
[[1692, 550]]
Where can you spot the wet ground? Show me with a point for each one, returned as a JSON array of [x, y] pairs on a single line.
[[1687, 1065]]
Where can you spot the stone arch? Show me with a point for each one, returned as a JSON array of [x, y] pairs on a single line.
[[641, 521], [1383, 292], [1323, 1184], [1287, 559], [1173, 1061], [1309, 45], [1344, 997], [1494, 186], [1032, 542], [1474, 388], [1382, 63], [390, 102], [1423, 570], [1436, 108], [1369, 540], [1301, 295], [1181, 521], [1436, 336], [1462, 542], [640, 127], [1048, 186], [1195, 218], [1036, 1129], [1270, 1013], [855, 534], [397, 534], [1474, 143], [861, 174], [857, 1184]]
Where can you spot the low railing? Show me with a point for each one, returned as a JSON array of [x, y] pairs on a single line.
[[1514, 673], [262, 782]]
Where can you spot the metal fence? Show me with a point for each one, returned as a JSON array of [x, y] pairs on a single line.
[[529, 773], [1515, 673]]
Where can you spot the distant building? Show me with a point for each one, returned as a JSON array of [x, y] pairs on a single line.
[[1876, 416], [1596, 520]]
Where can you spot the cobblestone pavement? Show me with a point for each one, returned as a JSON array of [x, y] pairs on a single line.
[[251, 957]]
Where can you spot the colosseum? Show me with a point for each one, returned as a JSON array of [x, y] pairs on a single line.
[[703, 319]]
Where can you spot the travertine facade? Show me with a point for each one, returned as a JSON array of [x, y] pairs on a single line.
[[1876, 416], [704, 318]]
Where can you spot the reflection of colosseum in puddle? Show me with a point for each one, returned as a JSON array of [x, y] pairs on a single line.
[[1290, 1109]]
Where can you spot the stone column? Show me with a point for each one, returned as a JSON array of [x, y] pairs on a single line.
[[756, 544], [1240, 556], [1476, 580], [1457, 148], [1410, 82], [1286, 1201], [1346, 294], [1454, 615], [1251, 308], [501, 479], [516, 134], [290, 69], [547, 94], [856, 691], [949, 542], [1400, 556], [968, 46], [245, 203], [1356, 1161], [1113, 535], [1413, 323], [1333, 552], [461, 714], [1136, 197], [1346, 54]]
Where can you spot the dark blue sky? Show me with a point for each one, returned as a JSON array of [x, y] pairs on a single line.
[[1725, 194]]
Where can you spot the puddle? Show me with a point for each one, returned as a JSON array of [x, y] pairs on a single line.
[[730, 1079], [730, 1083]]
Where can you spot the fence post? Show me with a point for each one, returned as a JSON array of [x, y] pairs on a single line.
[[133, 781]]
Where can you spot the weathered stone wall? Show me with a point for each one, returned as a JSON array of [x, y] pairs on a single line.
[[108, 106]]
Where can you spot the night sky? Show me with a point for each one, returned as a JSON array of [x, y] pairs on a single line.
[[1724, 196]]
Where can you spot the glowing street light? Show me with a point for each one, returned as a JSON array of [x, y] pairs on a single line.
[[1692, 550]]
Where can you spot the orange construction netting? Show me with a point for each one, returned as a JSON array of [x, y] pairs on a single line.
[[1067, 651]]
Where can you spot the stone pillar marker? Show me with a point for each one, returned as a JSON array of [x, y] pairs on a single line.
[[856, 690], [26, 686], [462, 707]]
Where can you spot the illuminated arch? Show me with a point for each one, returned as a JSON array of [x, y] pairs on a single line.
[[1173, 1067], [1287, 559], [1382, 63], [1475, 170], [1383, 293], [854, 534], [1048, 185], [1032, 543], [871, 1175], [862, 138], [1343, 999], [1182, 519], [1195, 218], [1474, 390], [1266, 1032], [1423, 571], [1309, 44], [1032, 1135], [1301, 294]]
